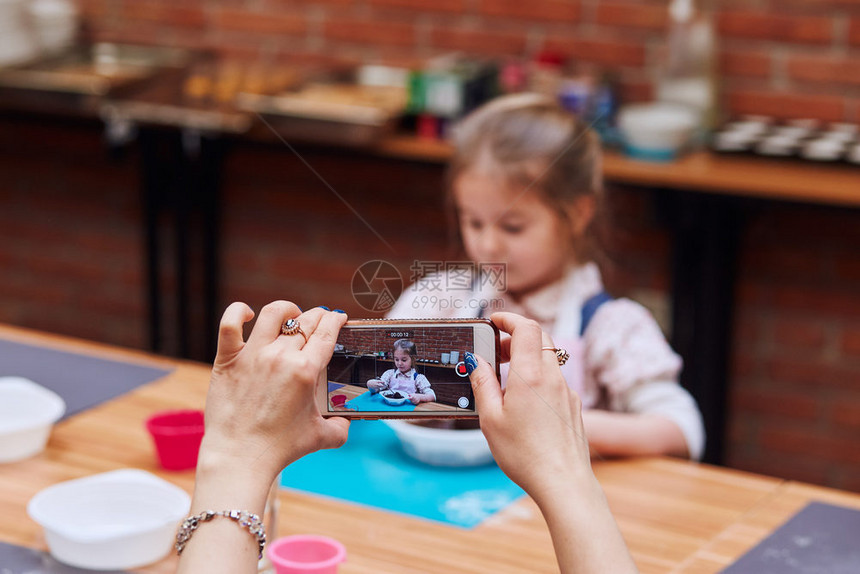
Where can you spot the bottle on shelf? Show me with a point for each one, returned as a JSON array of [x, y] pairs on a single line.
[[687, 74]]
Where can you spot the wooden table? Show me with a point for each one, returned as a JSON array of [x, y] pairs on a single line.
[[676, 516]]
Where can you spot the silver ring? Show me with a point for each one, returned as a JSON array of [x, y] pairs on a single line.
[[291, 327], [561, 354]]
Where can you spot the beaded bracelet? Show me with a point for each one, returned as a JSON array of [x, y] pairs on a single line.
[[246, 520]]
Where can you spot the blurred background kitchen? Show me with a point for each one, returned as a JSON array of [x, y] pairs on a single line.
[[161, 159]]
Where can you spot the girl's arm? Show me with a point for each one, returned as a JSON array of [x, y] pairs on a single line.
[[649, 412], [630, 434], [425, 394], [381, 383]]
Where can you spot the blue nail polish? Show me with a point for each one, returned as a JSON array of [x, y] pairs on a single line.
[[300, 309], [471, 362], [340, 311], [324, 307]]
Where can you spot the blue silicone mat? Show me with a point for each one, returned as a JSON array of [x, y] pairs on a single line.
[[83, 381], [372, 470], [373, 402]]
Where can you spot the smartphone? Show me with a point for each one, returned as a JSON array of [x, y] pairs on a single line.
[[409, 369]]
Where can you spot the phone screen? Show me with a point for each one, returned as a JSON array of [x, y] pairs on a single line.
[[401, 368]]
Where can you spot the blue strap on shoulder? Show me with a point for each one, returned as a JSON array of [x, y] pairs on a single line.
[[590, 307]]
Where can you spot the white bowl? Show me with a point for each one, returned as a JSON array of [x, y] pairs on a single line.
[[27, 413], [656, 130], [114, 520], [442, 447], [391, 401]]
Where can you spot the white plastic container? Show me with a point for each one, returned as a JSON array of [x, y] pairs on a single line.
[[28, 412], [442, 447], [115, 520]]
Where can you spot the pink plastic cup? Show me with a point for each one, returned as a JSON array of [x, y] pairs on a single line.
[[338, 400], [306, 554], [177, 436]]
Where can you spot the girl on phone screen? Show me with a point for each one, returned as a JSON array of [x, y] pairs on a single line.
[[403, 377]]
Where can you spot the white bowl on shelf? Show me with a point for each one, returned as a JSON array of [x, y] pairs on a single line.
[[28, 412], [656, 131], [115, 520], [442, 447]]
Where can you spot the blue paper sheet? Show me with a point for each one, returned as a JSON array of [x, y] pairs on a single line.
[[371, 469], [373, 402], [333, 386]]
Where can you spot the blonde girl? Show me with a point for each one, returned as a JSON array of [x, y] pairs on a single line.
[[524, 187]]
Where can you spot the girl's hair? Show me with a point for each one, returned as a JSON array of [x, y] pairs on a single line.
[[408, 346], [531, 141]]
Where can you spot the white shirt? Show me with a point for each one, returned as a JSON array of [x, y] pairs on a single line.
[[628, 364]]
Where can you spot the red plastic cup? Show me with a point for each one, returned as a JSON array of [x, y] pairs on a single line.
[[306, 554], [177, 436], [338, 400]]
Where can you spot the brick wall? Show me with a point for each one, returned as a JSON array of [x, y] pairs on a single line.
[[71, 245], [429, 343], [790, 58]]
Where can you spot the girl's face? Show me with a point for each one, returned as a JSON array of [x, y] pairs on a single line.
[[402, 360], [501, 223]]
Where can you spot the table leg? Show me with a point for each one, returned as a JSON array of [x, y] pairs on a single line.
[[706, 231]]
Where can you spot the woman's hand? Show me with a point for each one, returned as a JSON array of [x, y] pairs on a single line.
[[261, 409], [534, 428], [261, 415]]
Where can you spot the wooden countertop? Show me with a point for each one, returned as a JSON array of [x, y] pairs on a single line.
[[675, 515], [758, 177]]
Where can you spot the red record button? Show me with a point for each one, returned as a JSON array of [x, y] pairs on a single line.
[[461, 369]]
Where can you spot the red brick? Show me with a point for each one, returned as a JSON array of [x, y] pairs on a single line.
[[368, 31], [635, 91], [179, 16], [134, 33], [797, 335], [607, 51], [788, 262], [423, 5], [804, 444], [748, 64], [854, 31], [822, 69], [848, 269], [479, 41], [743, 366], [265, 23], [813, 472], [851, 341], [811, 375], [847, 415], [787, 105], [816, 300], [788, 404], [632, 15], [552, 10], [769, 26]]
